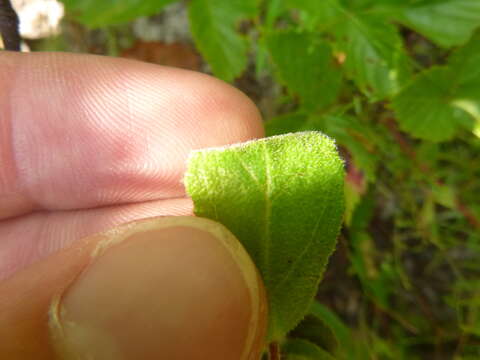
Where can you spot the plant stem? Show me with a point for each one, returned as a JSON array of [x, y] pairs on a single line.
[[9, 26], [273, 351]]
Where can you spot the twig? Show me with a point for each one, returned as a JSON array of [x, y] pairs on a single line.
[[9, 26], [273, 351]]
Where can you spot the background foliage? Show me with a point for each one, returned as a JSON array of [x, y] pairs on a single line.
[[397, 84]]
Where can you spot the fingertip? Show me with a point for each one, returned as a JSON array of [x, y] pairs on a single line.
[[171, 287], [176, 288], [124, 127]]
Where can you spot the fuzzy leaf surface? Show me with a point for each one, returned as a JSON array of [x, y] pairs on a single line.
[[283, 199], [358, 138]]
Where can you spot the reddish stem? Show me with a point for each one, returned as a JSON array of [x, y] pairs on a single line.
[[273, 351]]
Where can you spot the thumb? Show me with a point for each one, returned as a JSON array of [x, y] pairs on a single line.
[[164, 288]]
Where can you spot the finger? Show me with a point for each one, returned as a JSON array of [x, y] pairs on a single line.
[[167, 288], [79, 131], [32, 237]]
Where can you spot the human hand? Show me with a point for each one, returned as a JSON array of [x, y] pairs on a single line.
[[86, 144]]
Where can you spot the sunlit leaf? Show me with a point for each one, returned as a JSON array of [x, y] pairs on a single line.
[[443, 99], [446, 22], [283, 198], [375, 58]]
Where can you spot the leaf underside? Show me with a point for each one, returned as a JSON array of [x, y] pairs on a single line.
[[283, 198]]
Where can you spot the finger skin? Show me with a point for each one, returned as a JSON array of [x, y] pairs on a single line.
[[89, 142], [32, 237], [80, 131], [25, 299], [198, 311]]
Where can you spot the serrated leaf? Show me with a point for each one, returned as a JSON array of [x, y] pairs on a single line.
[[375, 58], [446, 22], [300, 349], [94, 13], [213, 24], [283, 198], [425, 108], [306, 66], [443, 99], [374, 55]]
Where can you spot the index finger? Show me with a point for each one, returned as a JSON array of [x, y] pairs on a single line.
[[82, 131]]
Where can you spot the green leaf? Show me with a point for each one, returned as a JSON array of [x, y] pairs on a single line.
[[349, 346], [358, 138], [283, 198], [306, 66], [425, 108], [341, 331], [374, 53], [465, 65], [300, 349], [213, 25], [443, 99], [287, 123], [313, 329], [375, 58], [316, 13], [94, 13], [446, 22]]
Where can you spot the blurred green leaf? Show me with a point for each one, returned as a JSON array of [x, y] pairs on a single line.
[[377, 280], [316, 13], [426, 107], [213, 24], [442, 99], [358, 137], [300, 349], [349, 347], [288, 123], [445, 195], [94, 13], [374, 55], [313, 329], [306, 66], [465, 65], [375, 58], [446, 22]]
